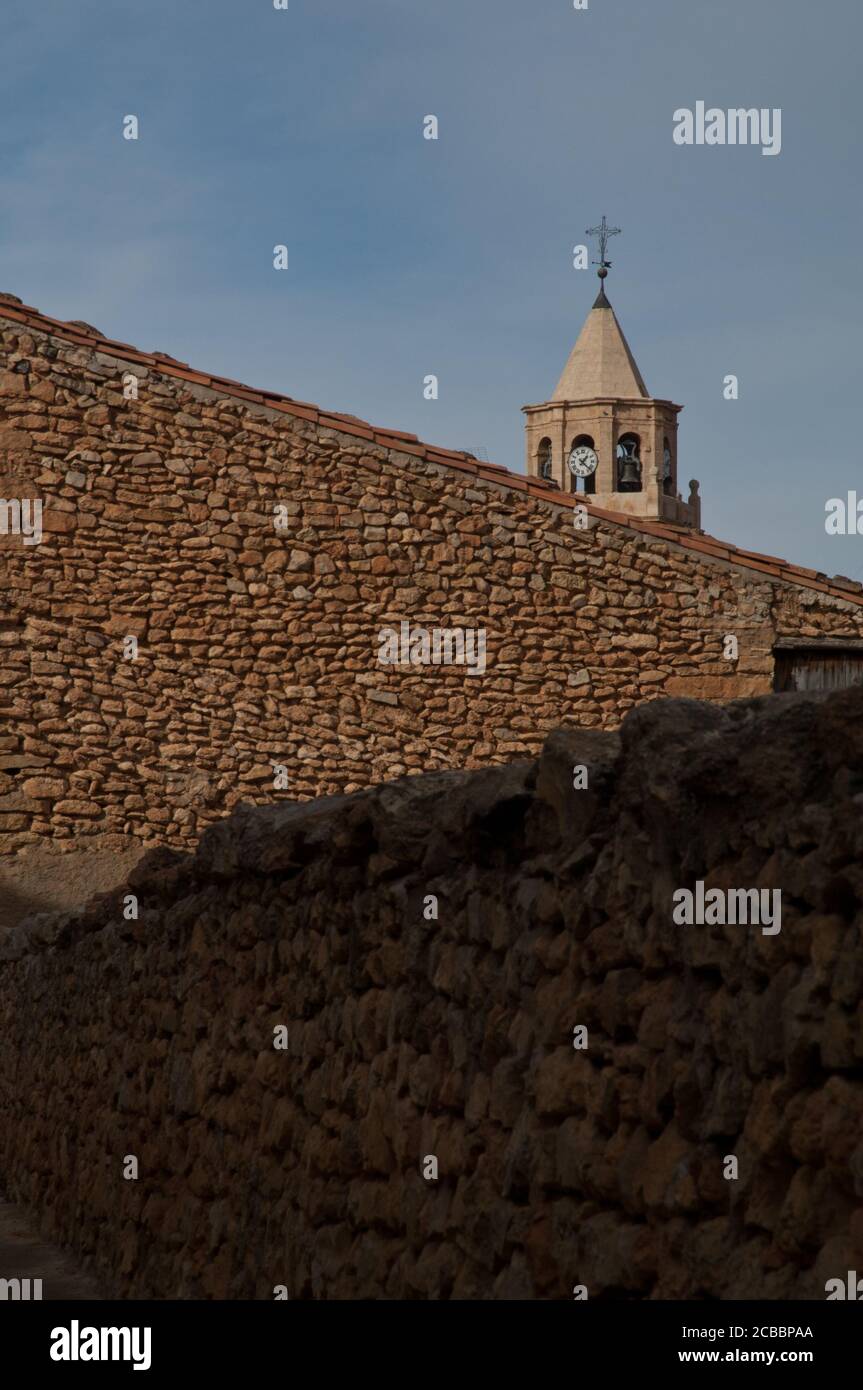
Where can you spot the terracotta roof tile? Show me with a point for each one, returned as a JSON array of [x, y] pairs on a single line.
[[515, 480], [245, 395], [656, 528], [825, 589], [332, 422], [225, 381], [756, 555], [399, 434], [459, 454], [804, 573], [461, 465], [292, 408], [126, 347], [604, 515], [350, 419], [548, 494], [187, 375], [721, 552], [775, 570], [841, 582], [166, 357], [404, 446], [846, 590]]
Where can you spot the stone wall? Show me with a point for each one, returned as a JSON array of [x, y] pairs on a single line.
[[259, 647], [410, 1036]]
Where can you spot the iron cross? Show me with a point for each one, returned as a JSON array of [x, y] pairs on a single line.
[[603, 233]]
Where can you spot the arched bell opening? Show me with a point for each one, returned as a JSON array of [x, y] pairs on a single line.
[[628, 463], [543, 459], [669, 481]]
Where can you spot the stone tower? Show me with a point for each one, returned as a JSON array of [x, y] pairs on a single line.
[[626, 441]]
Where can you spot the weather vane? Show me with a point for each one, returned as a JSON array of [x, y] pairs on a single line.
[[603, 233]]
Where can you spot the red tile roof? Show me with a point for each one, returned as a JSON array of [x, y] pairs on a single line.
[[771, 566]]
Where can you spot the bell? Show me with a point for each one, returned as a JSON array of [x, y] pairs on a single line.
[[628, 474]]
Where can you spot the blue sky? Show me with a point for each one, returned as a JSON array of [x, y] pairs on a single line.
[[410, 257]]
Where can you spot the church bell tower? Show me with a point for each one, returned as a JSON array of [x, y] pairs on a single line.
[[602, 434]]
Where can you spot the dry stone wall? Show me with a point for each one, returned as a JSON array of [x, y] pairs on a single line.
[[414, 1034], [259, 647]]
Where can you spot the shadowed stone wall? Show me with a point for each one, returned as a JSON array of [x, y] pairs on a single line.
[[411, 1037]]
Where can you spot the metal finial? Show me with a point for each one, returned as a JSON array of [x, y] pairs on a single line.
[[603, 233]]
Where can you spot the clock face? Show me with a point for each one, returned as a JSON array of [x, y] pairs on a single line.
[[583, 461]]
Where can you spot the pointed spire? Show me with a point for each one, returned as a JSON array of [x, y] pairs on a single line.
[[601, 363]]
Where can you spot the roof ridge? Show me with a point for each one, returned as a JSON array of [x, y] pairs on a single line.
[[76, 331]]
